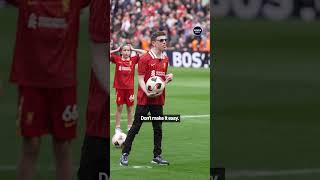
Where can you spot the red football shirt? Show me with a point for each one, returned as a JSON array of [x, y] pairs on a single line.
[[98, 119], [45, 51], [124, 72], [150, 65]]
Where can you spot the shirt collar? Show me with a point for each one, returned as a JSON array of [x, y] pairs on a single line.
[[125, 59], [153, 55]]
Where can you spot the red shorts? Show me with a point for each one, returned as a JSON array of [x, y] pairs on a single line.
[[125, 96], [47, 111]]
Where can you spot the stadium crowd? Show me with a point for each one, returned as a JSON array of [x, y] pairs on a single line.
[[133, 21]]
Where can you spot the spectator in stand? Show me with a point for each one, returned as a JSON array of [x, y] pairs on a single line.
[[135, 19]]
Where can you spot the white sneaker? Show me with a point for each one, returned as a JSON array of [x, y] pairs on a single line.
[[118, 130]]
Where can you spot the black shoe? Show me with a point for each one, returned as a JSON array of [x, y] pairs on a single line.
[[158, 160], [124, 159]]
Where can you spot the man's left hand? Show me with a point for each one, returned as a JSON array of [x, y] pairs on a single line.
[[169, 77]]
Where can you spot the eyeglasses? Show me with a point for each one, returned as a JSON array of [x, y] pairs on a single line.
[[162, 40]]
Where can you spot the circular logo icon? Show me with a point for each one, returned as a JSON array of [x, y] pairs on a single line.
[[197, 30]]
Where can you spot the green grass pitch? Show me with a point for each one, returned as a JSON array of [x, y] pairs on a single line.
[[266, 101], [185, 144]]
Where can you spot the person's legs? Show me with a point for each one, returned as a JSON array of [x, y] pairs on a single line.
[[31, 125], [118, 116], [29, 155], [63, 122], [120, 100], [130, 116], [129, 96], [140, 111], [94, 159], [157, 110], [63, 156]]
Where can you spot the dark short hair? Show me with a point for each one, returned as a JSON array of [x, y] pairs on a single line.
[[157, 34]]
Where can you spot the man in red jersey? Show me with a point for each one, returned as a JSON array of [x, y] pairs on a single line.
[[154, 63], [124, 81], [95, 158], [44, 68]]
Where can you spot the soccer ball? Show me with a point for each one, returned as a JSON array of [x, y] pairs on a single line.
[[118, 139], [155, 84]]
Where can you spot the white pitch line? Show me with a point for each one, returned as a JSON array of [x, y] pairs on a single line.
[[195, 116], [270, 173], [129, 167]]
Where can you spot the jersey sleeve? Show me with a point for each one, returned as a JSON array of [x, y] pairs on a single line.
[[114, 58], [142, 65], [135, 59]]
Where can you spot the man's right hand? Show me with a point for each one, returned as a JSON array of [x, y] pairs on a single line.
[[153, 95], [150, 94], [118, 49]]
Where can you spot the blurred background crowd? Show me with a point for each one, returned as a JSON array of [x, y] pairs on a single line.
[[133, 21]]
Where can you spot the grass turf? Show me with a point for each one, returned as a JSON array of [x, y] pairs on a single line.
[[266, 102], [185, 144]]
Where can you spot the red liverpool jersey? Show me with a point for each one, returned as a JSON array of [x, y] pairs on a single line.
[[45, 51], [150, 65], [98, 119], [124, 72]]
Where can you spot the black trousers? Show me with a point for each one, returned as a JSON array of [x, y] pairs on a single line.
[[95, 159], [155, 110]]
